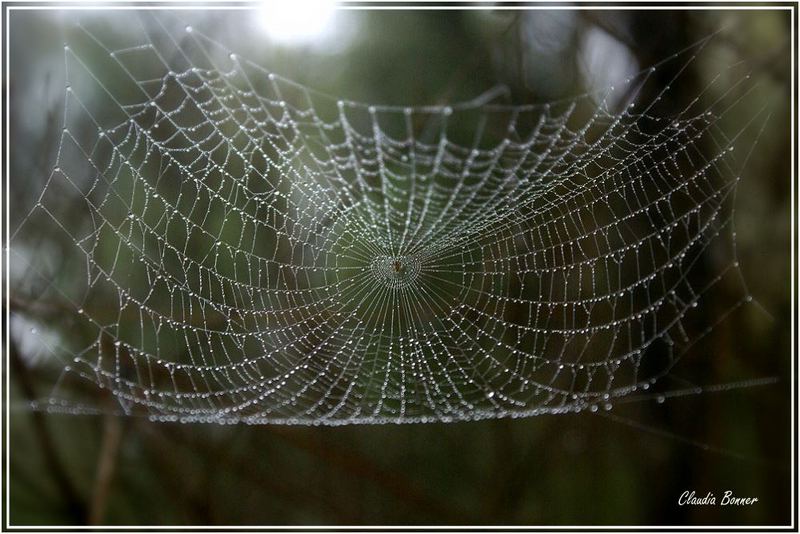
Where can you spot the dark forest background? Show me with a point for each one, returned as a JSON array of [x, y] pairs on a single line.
[[628, 466]]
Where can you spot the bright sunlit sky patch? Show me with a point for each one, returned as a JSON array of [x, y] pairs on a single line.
[[296, 21]]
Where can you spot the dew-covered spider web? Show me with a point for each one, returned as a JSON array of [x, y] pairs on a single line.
[[223, 244]]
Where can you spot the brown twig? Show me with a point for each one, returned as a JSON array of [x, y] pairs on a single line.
[[112, 435]]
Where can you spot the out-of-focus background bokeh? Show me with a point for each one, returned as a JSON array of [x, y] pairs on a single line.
[[628, 466]]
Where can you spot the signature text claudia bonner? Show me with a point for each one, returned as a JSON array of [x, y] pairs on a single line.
[[709, 499]]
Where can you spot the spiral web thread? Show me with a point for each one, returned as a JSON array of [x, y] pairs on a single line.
[[272, 254]]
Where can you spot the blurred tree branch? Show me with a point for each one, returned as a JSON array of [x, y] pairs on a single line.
[[112, 434], [73, 502]]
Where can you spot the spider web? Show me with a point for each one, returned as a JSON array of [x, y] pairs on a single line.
[[237, 247]]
